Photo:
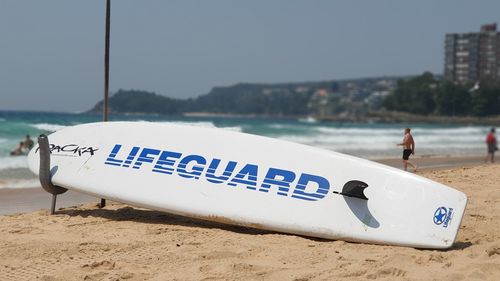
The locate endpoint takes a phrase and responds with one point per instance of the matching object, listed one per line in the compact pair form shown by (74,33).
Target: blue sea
(366,140)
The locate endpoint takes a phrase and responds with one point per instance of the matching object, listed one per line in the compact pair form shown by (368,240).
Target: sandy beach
(121,242)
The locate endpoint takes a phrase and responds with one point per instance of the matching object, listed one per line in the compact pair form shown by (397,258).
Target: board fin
(354,189)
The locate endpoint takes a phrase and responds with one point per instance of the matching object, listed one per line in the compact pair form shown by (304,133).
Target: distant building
(473,56)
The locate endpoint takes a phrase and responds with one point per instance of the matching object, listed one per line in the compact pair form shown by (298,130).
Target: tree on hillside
(486,100)
(452,99)
(414,95)
(425,95)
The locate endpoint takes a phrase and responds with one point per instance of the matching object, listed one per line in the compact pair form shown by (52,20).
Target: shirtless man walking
(408,148)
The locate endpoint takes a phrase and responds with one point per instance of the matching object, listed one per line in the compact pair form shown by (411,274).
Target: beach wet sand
(120,242)
(20,200)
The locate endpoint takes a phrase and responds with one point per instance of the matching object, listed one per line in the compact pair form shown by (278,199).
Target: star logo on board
(440,215)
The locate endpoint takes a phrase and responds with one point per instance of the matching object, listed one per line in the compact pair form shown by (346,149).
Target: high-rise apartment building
(474,56)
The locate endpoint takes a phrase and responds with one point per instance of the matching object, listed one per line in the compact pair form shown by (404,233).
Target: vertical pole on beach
(106,72)
(53,205)
(44,172)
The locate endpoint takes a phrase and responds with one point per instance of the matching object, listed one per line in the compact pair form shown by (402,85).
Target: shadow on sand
(459,245)
(157,217)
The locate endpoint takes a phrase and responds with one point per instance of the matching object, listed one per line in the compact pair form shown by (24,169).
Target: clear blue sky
(51,52)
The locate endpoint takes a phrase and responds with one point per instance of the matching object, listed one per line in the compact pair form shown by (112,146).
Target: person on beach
(491,143)
(408,148)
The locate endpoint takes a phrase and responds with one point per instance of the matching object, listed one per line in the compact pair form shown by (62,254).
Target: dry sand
(124,243)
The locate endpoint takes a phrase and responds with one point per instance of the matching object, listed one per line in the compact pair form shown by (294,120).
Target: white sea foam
(196,124)
(204,124)
(48,127)
(342,142)
(358,131)
(234,129)
(368,142)
(277,126)
(19,183)
(454,130)
(284,126)
(470,131)
(309,119)
(12,162)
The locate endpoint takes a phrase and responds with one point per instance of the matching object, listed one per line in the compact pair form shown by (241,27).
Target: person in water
(28,142)
(491,143)
(24,147)
(18,150)
(408,148)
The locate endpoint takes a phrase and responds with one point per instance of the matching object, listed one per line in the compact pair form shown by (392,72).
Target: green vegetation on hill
(251,99)
(426,95)
(254,99)
(355,99)
(135,101)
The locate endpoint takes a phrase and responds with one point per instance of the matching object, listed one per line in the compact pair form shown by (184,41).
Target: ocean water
(366,140)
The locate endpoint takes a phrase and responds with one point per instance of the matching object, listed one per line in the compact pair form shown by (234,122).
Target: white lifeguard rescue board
(255,181)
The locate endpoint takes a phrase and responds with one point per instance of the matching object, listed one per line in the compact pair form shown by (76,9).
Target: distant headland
(422,98)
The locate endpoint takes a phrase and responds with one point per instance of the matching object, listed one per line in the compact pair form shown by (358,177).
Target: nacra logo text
(285,182)
(71,149)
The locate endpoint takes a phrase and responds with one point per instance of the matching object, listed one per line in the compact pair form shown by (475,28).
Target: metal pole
(106,72)
(106,61)
(44,174)
(53,204)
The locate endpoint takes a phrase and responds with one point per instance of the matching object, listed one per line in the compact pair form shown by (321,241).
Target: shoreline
(435,162)
(24,200)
